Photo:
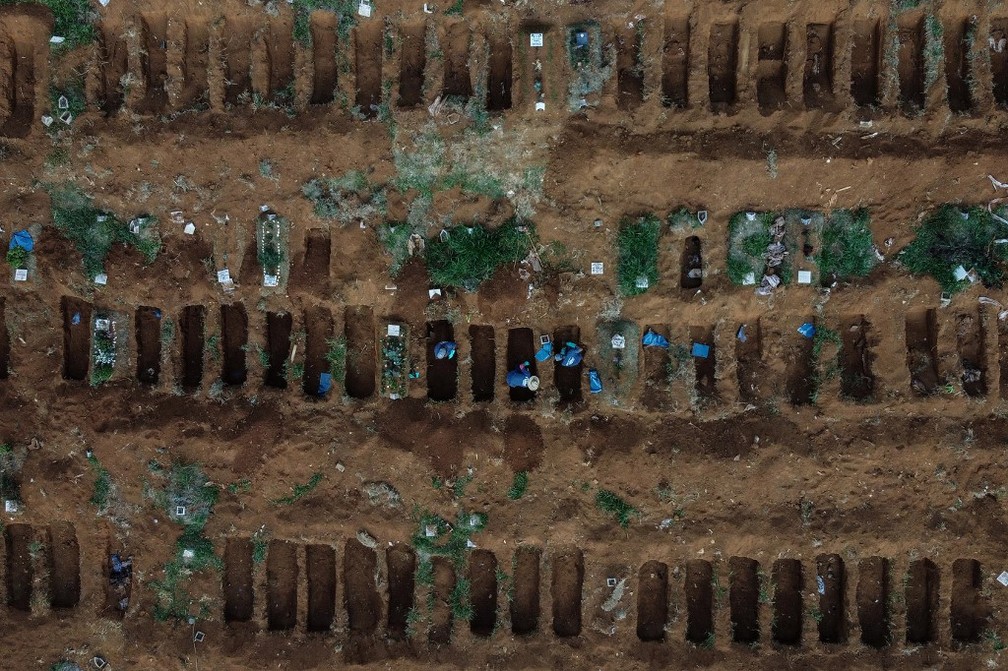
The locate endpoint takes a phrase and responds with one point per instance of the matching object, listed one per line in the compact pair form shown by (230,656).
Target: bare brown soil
(752,473)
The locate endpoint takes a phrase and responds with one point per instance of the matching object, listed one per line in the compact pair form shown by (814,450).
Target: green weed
(336,357)
(518,485)
(847,247)
(611,503)
(952,236)
(101,493)
(346,17)
(471,255)
(638,254)
(188,487)
(300,490)
(171,595)
(17,257)
(394,237)
(92,231)
(747,244)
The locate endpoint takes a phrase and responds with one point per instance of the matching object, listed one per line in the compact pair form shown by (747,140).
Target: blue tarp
(545,352)
(22,239)
(75,319)
(700,350)
(324,384)
(594,381)
(652,339)
(807,329)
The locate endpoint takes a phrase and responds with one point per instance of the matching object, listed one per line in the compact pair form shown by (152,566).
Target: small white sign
(433,293)
(364,9)
(102,324)
(642,282)
(618,341)
(47,120)
(271,280)
(10,506)
(540,106)
(66,117)
(264,208)
(536,39)
(394,329)
(21,275)
(1003,578)
(597,268)
(189,229)
(224,276)
(101,279)
(56,39)
(804,277)
(188,554)
(749,279)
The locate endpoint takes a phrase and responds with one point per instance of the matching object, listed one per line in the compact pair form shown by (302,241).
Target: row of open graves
(257,59)
(371,592)
(627,361)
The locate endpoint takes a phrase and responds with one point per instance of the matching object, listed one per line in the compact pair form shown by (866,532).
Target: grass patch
(952,236)
(847,247)
(394,237)
(638,254)
(74,19)
(346,17)
(172,599)
(747,244)
(824,367)
(471,255)
(101,493)
(611,503)
(17,257)
(336,357)
(93,232)
(188,487)
(299,490)
(518,485)
(346,199)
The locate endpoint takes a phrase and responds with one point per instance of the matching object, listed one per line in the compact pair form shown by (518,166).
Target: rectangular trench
(193,329)
(484,362)
(401,562)
(501,75)
(817,82)
(361,353)
(999,60)
(866,62)
(154,62)
(319,331)
(676,62)
(19,566)
(525,597)
(5,360)
(873,602)
(910,62)
(722,61)
(957,65)
(64,566)
(519,350)
(320,562)
(567,379)
(787,601)
(457,82)
(148,340)
(234,339)
(76,338)
(922,350)
(195,63)
(412,62)
(325,76)
(743,600)
(368,67)
(360,595)
(771,67)
(566,592)
(699,595)
(629,68)
(238,592)
(483,592)
(652,601)
(442,374)
(236,44)
(857,381)
(278,344)
(281,585)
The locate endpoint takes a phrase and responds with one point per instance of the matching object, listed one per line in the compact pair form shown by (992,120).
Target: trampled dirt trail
(780,519)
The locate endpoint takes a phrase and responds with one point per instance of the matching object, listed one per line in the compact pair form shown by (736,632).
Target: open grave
(361,353)
(319,331)
(368,67)
(76,338)
(148,340)
(699,595)
(281,585)
(629,67)
(787,601)
(652,601)
(565,591)
(412,62)
(743,599)
(817,81)
(401,561)
(484,362)
(442,374)
(771,67)
(278,346)
(922,350)
(325,75)
(192,326)
(501,74)
(234,339)
(154,62)
(195,63)
(910,64)
(238,591)
(525,597)
(320,562)
(676,62)
(873,602)
(722,62)
(113,66)
(866,62)
(457,82)
(831,580)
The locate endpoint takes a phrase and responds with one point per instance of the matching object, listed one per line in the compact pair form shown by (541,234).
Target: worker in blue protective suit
(522,377)
(570,356)
(445,350)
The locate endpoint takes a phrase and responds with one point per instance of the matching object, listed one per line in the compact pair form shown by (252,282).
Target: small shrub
(952,236)
(17,257)
(189,486)
(518,485)
(609,502)
(336,358)
(394,237)
(300,490)
(101,494)
(638,253)
(471,255)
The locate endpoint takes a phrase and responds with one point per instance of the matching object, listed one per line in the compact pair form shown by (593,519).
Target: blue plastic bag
(700,350)
(652,339)
(324,384)
(545,352)
(807,330)
(570,356)
(594,381)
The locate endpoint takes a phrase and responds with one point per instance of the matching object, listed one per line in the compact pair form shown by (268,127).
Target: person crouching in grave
(445,350)
(570,356)
(522,377)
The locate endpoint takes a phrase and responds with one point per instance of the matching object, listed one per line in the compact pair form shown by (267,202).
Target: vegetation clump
(847,247)
(518,485)
(345,11)
(467,256)
(748,239)
(638,254)
(93,231)
(346,199)
(954,236)
(611,503)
